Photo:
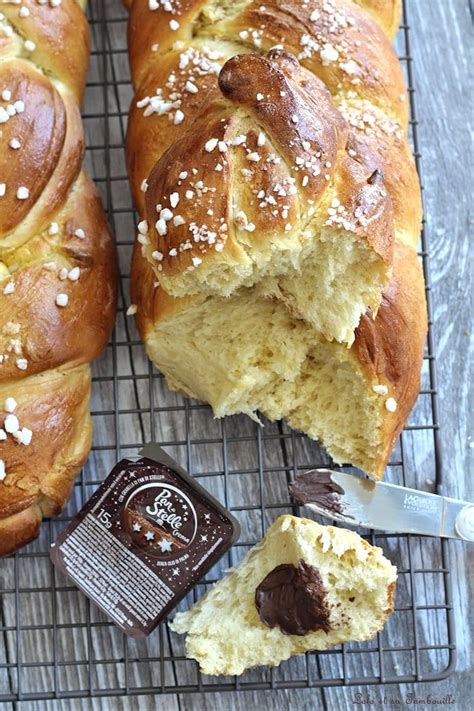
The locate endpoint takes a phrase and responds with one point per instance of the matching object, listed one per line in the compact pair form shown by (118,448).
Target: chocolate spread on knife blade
(317,488)
(293,599)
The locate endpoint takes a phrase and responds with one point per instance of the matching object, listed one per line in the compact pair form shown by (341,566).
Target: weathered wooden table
(131,404)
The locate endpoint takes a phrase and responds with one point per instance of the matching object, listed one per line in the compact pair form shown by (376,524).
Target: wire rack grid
(53,643)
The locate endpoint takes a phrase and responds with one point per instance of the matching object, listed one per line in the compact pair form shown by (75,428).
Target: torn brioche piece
(303,587)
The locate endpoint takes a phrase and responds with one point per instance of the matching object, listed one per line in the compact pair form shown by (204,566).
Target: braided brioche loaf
(57,264)
(280,214)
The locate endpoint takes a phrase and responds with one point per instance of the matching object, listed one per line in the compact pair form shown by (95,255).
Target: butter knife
(356,501)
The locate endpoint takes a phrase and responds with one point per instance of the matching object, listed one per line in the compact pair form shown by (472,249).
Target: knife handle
(465,523)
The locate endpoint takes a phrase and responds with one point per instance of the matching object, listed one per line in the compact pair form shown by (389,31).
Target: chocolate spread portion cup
(145,538)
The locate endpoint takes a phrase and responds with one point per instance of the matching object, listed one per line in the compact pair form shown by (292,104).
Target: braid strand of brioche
(57,264)
(257,132)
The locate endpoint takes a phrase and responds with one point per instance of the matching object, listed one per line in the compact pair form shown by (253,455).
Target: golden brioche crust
(61,38)
(43,129)
(305,129)
(390,347)
(57,267)
(50,336)
(386,13)
(55,406)
(366,81)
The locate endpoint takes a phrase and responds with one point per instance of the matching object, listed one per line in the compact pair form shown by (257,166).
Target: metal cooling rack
(53,644)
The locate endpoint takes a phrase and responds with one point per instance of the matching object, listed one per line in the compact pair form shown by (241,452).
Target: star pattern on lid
(165,545)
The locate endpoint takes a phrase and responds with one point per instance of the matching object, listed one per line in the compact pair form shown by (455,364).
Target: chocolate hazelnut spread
(293,599)
(317,487)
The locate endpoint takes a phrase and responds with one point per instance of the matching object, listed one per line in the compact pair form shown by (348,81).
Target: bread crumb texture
(248,355)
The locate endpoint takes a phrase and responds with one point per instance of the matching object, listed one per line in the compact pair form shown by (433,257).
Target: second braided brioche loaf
(57,265)
(281,212)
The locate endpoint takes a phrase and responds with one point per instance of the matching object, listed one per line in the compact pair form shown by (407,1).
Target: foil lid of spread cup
(145,538)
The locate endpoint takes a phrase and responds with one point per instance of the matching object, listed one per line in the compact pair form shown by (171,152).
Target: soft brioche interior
(225,633)
(334,286)
(328,279)
(247,353)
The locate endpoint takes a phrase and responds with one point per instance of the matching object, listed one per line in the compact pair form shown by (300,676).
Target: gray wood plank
(120,703)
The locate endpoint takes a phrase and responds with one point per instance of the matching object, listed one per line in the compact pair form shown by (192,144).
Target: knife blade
(357,501)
